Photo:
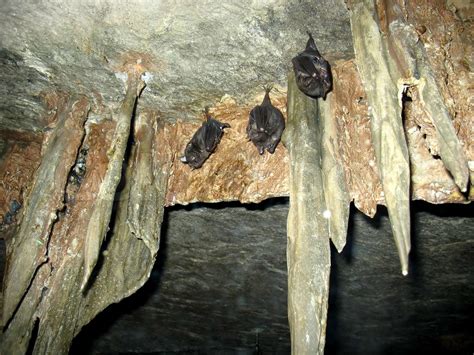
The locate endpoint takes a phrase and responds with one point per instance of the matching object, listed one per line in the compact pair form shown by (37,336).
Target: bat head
(203,142)
(265,125)
(194,156)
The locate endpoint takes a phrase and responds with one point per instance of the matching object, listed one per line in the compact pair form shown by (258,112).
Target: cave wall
(401,131)
(221,276)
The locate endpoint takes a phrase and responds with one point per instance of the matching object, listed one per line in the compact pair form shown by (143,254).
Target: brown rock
(235,171)
(355,139)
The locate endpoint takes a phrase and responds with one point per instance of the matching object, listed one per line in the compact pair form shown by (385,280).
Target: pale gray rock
(199,50)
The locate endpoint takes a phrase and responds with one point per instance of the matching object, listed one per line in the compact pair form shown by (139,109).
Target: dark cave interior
(230,277)
(219,287)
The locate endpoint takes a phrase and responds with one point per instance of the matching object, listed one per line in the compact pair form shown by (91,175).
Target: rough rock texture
(261,177)
(380,80)
(18,161)
(354,139)
(101,213)
(235,171)
(449,52)
(45,307)
(194,55)
(220,276)
(308,254)
(195,52)
(429,177)
(414,67)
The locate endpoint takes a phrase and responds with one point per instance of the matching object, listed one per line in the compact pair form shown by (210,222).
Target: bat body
(203,142)
(312,71)
(266,124)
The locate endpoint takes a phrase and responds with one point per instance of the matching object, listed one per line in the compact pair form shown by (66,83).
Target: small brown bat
(312,71)
(266,124)
(203,142)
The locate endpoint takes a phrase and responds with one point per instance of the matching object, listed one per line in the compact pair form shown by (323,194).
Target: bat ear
(206,112)
(183,159)
(310,43)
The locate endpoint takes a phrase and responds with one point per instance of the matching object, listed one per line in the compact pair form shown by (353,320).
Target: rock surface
(221,276)
(196,55)
(194,52)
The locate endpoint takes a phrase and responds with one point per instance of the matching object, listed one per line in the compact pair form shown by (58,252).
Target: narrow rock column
(52,307)
(378,73)
(102,209)
(131,252)
(28,250)
(308,254)
(336,192)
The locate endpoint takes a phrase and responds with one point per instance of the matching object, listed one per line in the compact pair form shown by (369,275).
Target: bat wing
(211,138)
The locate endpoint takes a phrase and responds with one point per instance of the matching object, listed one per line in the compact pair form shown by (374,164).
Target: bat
(266,124)
(312,71)
(203,142)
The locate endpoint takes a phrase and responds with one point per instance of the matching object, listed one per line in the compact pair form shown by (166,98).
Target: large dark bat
(266,124)
(312,71)
(203,142)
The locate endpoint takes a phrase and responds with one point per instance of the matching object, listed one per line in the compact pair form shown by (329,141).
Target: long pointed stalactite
(102,209)
(28,250)
(53,301)
(414,70)
(336,192)
(378,73)
(308,254)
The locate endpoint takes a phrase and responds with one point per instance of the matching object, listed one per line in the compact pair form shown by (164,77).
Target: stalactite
(378,73)
(415,70)
(308,254)
(131,252)
(54,299)
(102,210)
(334,181)
(28,251)
(29,247)
(148,184)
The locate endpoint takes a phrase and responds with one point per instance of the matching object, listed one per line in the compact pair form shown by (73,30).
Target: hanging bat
(203,142)
(266,124)
(312,71)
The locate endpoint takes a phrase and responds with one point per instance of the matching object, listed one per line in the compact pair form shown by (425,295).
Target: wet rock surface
(221,277)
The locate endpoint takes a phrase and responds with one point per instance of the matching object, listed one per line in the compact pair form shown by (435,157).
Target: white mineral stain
(327,214)
(122,76)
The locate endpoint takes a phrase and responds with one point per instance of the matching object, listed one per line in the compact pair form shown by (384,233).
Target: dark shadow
(371,306)
(346,253)
(276,201)
(374,309)
(414,257)
(34,336)
(100,325)
(104,321)
(444,210)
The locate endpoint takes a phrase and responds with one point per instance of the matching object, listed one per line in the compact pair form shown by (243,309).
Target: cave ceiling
(220,54)
(194,53)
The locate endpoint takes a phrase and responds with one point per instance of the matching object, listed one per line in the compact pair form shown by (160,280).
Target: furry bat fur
(312,71)
(266,124)
(203,142)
